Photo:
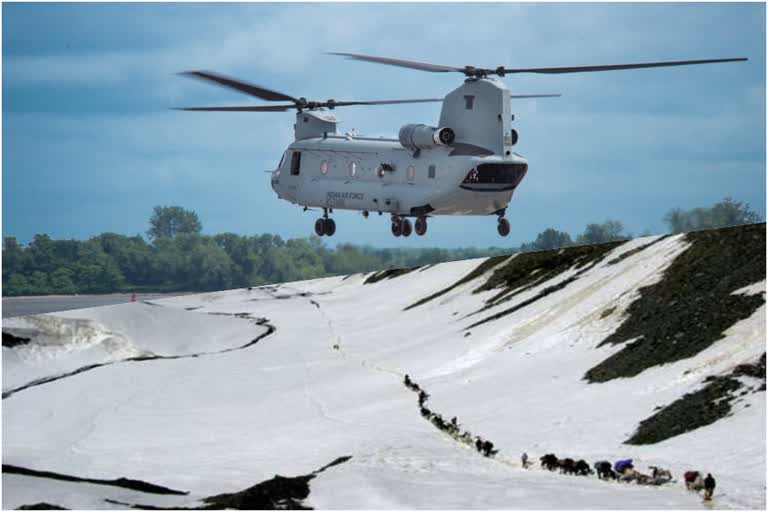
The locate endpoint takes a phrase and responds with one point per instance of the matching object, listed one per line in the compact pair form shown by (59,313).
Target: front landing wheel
(503,226)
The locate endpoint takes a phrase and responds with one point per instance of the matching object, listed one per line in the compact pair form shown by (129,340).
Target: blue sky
(90,145)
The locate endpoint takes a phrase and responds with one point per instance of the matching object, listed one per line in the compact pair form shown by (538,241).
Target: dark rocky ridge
(41,506)
(693,303)
(481,269)
(126,483)
(277,493)
(388,274)
(10,341)
(701,407)
(529,269)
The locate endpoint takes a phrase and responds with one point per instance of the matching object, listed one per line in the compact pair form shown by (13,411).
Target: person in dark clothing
(488,449)
(709,486)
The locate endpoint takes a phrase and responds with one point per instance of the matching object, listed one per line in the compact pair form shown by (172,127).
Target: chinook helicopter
(464,166)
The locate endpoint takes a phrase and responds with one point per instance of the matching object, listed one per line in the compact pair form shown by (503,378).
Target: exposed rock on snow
(10,341)
(41,506)
(126,483)
(692,305)
(701,407)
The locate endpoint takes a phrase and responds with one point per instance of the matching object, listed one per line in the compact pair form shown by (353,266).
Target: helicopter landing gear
(421,226)
(320,227)
(325,225)
(397,226)
(401,226)
(407,228)
(503,226)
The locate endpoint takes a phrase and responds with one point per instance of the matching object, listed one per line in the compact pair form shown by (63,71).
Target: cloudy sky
(90,145)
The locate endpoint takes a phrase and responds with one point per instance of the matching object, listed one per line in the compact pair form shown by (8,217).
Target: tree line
(178,257)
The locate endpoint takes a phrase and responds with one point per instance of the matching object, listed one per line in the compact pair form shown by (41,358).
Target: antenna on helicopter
(272,95)
(475,72)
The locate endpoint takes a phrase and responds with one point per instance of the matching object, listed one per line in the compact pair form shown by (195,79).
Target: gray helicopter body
(403,177)
(463,166)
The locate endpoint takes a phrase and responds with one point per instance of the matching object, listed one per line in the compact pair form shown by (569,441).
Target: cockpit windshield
(498,173)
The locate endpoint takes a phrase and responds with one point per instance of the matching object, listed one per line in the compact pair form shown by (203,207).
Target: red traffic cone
(133,297)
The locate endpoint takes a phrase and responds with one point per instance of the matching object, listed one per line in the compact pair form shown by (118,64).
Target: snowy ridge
(328,382)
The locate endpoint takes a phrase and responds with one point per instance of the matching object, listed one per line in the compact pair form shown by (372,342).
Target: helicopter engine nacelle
(421,136)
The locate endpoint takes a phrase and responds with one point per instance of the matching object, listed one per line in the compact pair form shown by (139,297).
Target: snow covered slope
(566,351)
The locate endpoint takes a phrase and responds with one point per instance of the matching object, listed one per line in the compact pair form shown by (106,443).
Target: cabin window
(384,168)
(411,173)
(353,169)
(432,171)
(296,163)
(469,102)
(324,167)
(282,159)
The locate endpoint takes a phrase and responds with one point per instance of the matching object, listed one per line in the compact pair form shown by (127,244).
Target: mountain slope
(504,345)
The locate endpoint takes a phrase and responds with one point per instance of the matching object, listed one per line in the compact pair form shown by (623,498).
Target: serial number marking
(345,195)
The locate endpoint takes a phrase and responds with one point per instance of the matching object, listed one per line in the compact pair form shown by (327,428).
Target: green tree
(722,214)
(550,238)
(17,285)
(168,221)
(608,231)
(61,281)
(38,283)
(132,255)
(14,257)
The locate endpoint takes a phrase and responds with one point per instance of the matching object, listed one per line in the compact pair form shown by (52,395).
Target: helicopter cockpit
(495,176)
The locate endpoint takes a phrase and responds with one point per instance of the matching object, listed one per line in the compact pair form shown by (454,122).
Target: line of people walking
(451,427)
(622,470)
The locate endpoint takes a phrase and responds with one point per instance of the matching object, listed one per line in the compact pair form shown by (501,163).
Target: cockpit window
(497,173)
(296,163)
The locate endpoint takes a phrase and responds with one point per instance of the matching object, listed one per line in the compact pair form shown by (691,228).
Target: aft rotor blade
(520,96)
(423,66)
(238,85)
(613,67)
(385,102)
(255,108)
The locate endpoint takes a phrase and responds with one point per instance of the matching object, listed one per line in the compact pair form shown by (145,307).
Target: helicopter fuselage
(471,171)
(380,175)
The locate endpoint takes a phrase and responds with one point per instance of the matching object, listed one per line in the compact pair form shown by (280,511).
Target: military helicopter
(464,166)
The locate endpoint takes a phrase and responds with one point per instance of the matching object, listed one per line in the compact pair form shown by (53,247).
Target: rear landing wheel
(397,227)
(407,228)
(421,226)
(320,227)
(330,227)
(503,226)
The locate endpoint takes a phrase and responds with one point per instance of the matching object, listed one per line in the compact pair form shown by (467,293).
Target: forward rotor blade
(423,66)
(519,96)
(255,108)
(385,102)
(613,67)
(253,90)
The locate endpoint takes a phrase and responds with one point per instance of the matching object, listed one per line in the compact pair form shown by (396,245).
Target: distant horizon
(90,144)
